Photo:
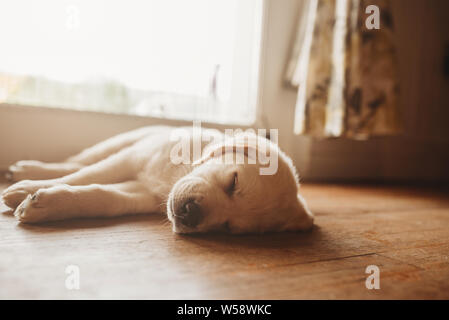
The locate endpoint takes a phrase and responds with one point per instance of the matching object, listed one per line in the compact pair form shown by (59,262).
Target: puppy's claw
(20,211)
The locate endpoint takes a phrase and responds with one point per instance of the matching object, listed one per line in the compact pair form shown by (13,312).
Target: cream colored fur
(132,173)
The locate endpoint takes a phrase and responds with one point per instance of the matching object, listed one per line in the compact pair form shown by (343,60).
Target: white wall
(50,134)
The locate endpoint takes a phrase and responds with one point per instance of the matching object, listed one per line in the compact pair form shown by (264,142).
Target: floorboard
(402,230)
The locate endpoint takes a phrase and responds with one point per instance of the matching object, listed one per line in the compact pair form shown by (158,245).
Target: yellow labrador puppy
(221,187)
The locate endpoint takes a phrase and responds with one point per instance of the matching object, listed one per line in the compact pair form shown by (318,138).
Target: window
(176,59)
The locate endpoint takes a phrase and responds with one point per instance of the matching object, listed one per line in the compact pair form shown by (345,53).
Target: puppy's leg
(37,170)
(110,146)
(66,202)
(119,167)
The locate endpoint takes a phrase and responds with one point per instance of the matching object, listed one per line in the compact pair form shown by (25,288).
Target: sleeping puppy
(221,188)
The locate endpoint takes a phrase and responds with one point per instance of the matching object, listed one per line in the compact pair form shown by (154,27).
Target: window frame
(53,134)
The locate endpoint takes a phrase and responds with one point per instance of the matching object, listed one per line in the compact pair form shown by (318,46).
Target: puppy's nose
(189,214)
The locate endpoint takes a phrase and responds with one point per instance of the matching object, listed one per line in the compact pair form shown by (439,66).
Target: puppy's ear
(235,146)
(301,218)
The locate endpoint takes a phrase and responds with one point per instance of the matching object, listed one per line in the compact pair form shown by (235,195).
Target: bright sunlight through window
(195,59)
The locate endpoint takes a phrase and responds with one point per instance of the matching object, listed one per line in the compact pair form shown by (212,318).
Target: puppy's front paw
(32,209)
(46,204)
(16,193)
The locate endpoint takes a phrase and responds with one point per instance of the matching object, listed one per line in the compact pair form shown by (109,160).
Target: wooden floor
(404,231)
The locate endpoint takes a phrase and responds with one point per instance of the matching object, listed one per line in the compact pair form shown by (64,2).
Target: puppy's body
(134,173)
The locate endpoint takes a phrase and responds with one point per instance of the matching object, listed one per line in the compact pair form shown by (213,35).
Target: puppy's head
(234,196)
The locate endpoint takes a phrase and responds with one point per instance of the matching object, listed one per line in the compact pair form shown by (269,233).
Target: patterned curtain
(345,73)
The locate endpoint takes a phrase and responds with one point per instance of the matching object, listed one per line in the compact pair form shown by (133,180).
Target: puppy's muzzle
(187,214)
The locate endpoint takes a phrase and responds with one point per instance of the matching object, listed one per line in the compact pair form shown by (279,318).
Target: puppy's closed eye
(232,184)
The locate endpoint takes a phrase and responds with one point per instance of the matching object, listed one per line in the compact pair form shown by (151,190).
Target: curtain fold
(344,72)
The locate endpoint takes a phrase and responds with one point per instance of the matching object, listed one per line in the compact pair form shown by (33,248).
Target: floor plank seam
(322,260)
(408,248)
(401,261)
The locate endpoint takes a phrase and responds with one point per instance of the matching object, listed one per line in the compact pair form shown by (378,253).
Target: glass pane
(195,59)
